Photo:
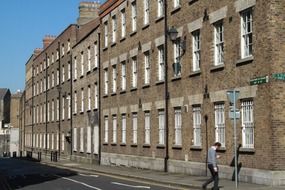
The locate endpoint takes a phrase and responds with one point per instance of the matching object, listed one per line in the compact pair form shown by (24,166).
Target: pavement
(181,181)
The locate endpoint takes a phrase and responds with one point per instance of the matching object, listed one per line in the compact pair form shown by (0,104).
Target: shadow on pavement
(18,173)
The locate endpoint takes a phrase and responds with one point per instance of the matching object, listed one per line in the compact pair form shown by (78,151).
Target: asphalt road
(28,175)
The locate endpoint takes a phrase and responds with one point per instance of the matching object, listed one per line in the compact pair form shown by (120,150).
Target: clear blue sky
(23,25)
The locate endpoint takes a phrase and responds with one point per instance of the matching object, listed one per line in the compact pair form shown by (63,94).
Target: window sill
(133,33)
(74,80)
(81,76)
(113,144)
(177,147)
(160,146)
(244,61)
(196,148)
(114,94)
(82,112)
(105,48)
(176,9)
(222,149)
(105,144)
(134,145)
(122,39)
(191,1)
(146,86)
(217,68)
(95,68)
(247,150)
(95,109)
(88,72)
(195,73)
(123,144)
(123,91)
(159,18)
(105,96)
(88,110)
(175,78)
(74,113)
(145,26)
(133,89)
(146,145)
(159,82)
(113,44)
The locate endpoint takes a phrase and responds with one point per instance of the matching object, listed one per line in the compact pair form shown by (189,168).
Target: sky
(24,23)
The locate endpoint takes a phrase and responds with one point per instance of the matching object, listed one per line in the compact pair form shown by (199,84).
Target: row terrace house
(164,99)
(149,83)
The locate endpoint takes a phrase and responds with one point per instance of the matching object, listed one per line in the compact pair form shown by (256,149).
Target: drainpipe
(46,114)
(166,93)
(71,103)
(99,96)
(59,101)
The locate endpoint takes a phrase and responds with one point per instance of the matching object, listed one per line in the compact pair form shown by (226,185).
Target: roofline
(69,26)
(88,34)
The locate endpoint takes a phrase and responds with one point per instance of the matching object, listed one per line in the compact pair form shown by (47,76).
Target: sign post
(233,96)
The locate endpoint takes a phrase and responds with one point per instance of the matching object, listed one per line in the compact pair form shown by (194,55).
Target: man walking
(213,167)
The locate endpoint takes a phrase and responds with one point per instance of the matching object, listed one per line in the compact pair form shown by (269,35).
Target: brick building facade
(162,100)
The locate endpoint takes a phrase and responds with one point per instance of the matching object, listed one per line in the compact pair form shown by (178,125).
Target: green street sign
(259,80)
(279,76)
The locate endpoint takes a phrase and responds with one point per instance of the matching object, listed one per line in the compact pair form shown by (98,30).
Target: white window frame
(114,129)
(69,71)
(177,57)
(247,121)
(134,16)
(75,68)
(57,109)
(124,129)
(196,52)
(89,97)
(114,78)
(52,110)
(246,33)
(63,108)
(81,139)
(75,102)
(74,139)
(135,128)
(96,95)
(105,34)
(82,63)
(197,141)
(106,81)
(178,126)
(69,106)
(123,23)
(176,3)
(219,43)
(147,128)
(220,127)
(160,8)
(106,129)
(88,59)
(57,77)
(161,127)
(89,140)
(123,75)
(82,100)
(134,72)
(114,28)
(62,142)
(146,11)
(161,66)
(147,68)
(96,56)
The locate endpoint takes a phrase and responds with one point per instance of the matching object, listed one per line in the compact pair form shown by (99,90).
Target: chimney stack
(87,12)
(48,39)
(37,51)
